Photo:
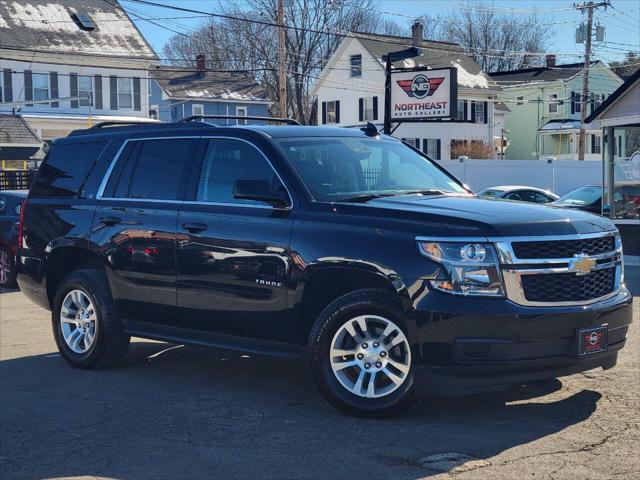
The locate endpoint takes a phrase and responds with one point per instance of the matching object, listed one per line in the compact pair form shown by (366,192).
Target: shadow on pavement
(181,412)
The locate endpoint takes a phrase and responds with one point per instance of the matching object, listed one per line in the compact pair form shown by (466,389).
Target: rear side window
(152,169)
(66,169)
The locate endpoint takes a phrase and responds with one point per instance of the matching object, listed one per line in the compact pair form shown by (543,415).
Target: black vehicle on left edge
(343,246)
(10,202)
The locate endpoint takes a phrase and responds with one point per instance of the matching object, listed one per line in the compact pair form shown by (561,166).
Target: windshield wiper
(365,197)
(429,191)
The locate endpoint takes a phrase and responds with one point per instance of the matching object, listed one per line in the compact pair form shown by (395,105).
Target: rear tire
(7,269)
(86,327)
(360,356)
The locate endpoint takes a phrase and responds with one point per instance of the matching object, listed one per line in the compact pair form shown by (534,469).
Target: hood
(470,215)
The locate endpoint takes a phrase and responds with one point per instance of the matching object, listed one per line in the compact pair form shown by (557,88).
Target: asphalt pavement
(176,412)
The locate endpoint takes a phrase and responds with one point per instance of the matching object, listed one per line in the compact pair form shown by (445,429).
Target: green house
(546,104)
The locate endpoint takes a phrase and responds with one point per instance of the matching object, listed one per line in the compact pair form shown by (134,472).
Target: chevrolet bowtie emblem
(582,264)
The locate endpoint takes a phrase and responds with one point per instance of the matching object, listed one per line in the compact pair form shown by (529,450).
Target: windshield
(581,196)
(339,168)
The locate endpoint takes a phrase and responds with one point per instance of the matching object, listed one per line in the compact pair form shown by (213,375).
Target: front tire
(7,269)
(86,327)
(359,355)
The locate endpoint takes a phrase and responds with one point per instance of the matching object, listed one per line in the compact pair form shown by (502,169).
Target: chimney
(200,63)
(551,60)
(416,31)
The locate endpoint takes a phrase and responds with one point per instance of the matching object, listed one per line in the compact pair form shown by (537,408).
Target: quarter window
(125,92)
(85,91)
(40,86)
(227,161)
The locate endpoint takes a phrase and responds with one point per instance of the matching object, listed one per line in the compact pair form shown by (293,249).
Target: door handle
(194,227)
(110,221)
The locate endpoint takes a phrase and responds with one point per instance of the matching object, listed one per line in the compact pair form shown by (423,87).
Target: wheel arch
(326,282)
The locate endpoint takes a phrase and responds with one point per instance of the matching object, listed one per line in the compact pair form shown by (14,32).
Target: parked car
(519,194)
(10,201)
(343,246)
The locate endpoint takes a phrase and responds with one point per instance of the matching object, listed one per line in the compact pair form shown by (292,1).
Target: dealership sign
(422,94)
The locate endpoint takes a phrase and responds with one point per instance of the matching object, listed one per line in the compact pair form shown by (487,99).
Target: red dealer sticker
(592,340)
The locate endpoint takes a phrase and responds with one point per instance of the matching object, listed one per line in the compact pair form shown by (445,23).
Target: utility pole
(589,7)
(282,60)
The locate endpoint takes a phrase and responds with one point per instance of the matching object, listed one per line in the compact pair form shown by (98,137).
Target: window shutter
(438,147)
(73,80)
(337,111)
(466,110)
(324,113)
(97,92)
(417,145)
(573,103)
(361,109)
(53,86)
(473,111)
(136,94)
(375,108)
(425,145)
(113,91)
(28,87)
(592,103)
(8,90)
(486,112)
(593,143)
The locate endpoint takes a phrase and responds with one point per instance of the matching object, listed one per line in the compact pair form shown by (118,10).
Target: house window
(577,102)
(595,144)
(414,142)
(40,86)
(153,112)
(520,100)
(241,112)
(479,112)
(356,65)
(461,110)
(85,91)
(431,146)
(331,112)
(198,109)
(552,103)
(368,110)
(125,93)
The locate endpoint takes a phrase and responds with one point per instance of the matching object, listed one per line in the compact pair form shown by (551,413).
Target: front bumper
(467,345)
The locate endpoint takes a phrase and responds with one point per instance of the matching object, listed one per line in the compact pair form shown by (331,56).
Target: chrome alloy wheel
(5,266)
(370,356)
(78,321)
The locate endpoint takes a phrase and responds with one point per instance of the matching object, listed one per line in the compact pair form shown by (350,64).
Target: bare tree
(496,41)
(315,29)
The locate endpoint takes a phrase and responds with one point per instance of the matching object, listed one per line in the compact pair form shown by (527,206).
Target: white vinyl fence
(559,176)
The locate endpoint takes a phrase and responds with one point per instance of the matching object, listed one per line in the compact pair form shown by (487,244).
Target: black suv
(342,245)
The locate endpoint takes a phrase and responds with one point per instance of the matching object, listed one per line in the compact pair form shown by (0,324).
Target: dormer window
(83,21)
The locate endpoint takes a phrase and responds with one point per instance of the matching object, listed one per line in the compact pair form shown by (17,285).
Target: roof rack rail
(288,121)
(115,122)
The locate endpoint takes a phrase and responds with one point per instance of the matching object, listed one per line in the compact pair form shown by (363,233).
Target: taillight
(23,208)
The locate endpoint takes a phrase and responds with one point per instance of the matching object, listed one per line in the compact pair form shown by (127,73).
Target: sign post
(389,59)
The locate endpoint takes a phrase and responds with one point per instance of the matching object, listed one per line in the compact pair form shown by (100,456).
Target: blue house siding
(172,110)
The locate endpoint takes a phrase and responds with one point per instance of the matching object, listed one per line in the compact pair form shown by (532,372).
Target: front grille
(564,248)
(568,287)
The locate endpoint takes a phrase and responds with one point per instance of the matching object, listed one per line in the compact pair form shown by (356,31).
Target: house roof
(539,74)
(614,96)
(184,83)
(14,129)
(434,54)
(55,25)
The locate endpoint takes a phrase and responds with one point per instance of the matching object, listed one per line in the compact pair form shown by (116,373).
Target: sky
(621,21)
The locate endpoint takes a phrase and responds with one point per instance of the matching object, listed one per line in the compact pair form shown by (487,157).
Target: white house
(350,91)
(87,57)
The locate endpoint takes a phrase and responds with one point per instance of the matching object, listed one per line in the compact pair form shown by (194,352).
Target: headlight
(468,268)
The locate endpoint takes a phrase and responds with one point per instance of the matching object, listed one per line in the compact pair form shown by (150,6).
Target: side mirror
(259,190)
